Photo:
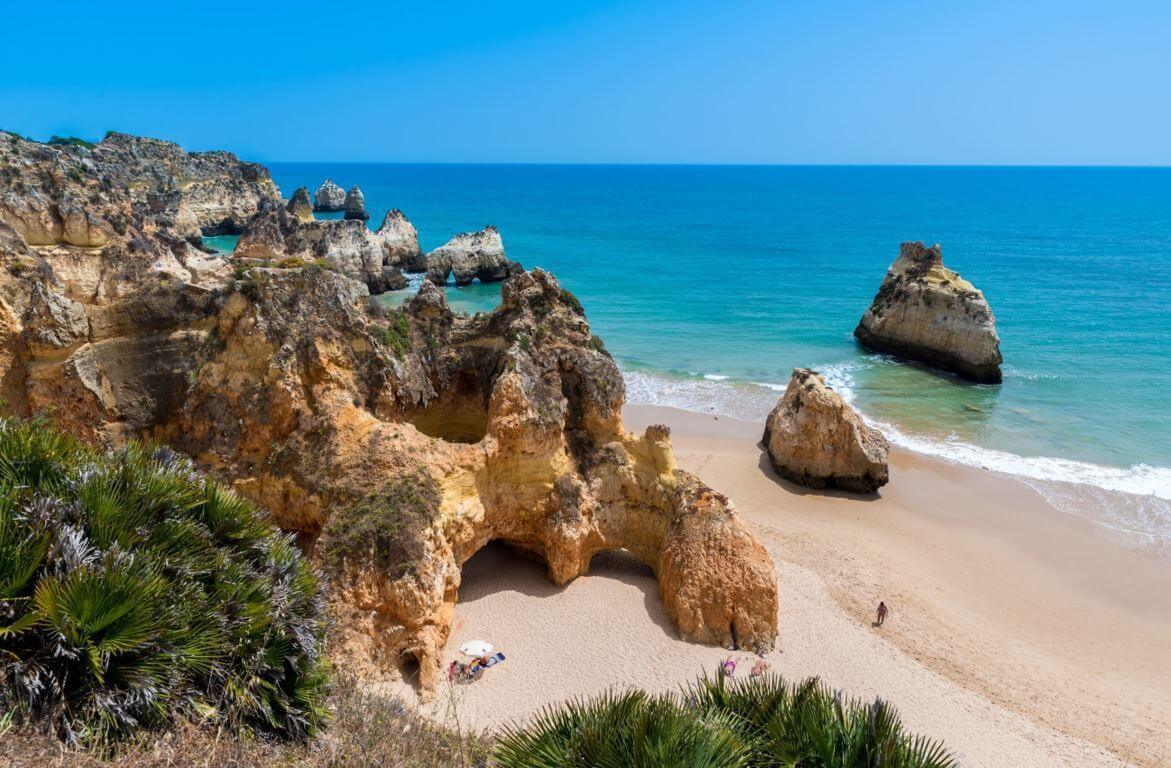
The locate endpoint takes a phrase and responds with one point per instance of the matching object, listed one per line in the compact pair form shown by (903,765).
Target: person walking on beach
(881,613)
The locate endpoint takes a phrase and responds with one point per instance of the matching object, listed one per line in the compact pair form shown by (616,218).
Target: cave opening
(458,415)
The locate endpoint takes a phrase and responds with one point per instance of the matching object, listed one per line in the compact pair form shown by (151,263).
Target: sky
(738,81)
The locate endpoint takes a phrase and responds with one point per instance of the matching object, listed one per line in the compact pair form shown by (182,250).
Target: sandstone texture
(393,443)
(926,312)
(401,242)
(355,205)
(471,256)
(329,197)
(300,205)
(814,438)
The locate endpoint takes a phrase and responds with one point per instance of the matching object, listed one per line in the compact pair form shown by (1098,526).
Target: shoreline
(1001,593)
(1017,635)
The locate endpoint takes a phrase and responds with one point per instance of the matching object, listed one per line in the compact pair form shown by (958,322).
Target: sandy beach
(1017,634)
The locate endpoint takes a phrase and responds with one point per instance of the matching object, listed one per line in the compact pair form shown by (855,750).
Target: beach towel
(494,659)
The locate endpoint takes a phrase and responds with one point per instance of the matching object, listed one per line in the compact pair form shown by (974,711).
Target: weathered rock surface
(814,438)
(348,246)
(355,204)
(329,197)
(401,242)
(924,311)
(394,443)
(470,256)
(300,206)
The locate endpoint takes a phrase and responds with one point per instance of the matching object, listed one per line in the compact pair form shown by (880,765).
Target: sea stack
(329,197)
(814,438)
(924,311)
(471,255)
(355,204)
(401,242)
(300,206)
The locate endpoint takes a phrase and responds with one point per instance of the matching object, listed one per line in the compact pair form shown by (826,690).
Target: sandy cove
(1017,634)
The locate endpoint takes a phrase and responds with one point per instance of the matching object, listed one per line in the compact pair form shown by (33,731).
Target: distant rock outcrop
(469,256)
(815,439)
(300,206)
(355,205)
(329,197)
(401,242)
(924,311)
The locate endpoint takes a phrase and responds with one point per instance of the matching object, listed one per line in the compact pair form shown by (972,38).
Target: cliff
(926,312)
(394,443)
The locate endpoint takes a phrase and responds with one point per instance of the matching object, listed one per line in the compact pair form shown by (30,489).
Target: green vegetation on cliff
(134,592)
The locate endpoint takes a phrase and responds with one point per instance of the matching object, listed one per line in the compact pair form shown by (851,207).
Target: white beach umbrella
(476,648)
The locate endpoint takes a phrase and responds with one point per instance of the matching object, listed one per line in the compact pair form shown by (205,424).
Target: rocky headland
(394,443)
(926,312)
(471,256)
(329,197)
(814,438)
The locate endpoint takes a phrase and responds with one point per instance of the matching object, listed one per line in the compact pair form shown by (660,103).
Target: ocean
(709,284)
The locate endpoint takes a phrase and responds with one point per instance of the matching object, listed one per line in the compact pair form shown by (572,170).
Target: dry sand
(1018,635)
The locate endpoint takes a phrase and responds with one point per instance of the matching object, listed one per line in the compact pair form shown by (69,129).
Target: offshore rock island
(395,443)
(926,312)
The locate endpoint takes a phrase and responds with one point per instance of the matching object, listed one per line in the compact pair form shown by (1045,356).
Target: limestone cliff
(401,242)
(924,311)
(394,443)
(300,206)
(470,256)
(814,438)
(355,204)
(329,197)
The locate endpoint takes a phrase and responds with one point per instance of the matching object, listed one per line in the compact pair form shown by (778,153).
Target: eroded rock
(329,197)
(355,204)
(471,256)
(924,311)
(814,438)
(300,205)
(401,242)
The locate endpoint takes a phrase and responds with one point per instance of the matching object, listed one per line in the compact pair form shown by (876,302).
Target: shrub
(396,334)
(133,591)
(386,530)
(572,301)
(752,723)
(69,141)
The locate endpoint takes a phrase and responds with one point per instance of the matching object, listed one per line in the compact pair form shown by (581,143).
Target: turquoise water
(709,284)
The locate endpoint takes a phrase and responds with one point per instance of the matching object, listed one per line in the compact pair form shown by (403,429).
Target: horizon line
(674,164)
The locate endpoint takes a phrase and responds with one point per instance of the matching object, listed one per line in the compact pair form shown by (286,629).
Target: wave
(1133,503)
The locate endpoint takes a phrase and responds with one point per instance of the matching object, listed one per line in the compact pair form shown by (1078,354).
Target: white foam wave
(1132,501)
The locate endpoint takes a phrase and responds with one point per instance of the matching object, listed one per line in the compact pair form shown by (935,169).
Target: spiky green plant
(762,722)
(134,591)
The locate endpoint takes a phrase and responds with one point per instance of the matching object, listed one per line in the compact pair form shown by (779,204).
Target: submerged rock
(300,206)
(470,256)
(329,197)
(355,204)
(924,311)
(401,242)
(815,439)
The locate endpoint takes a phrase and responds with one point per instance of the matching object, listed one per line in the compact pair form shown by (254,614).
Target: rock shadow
(766,467)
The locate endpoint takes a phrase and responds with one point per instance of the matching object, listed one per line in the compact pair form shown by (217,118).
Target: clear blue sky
(739,81)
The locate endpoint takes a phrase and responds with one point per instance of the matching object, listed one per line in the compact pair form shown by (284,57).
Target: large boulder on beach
(400,240)
(926,312)
(355,205)
(470,256)
(814,438)
(300,206)
(329,197)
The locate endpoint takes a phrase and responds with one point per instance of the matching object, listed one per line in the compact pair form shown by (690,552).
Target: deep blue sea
(710,284)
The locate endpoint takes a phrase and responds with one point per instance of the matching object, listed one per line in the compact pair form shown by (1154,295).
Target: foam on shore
(1133,504)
